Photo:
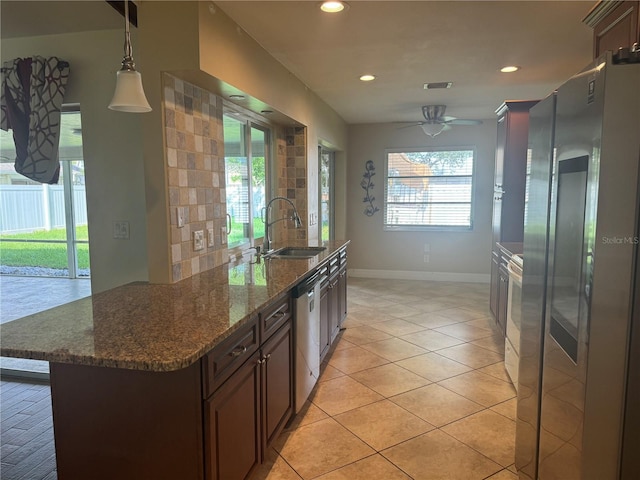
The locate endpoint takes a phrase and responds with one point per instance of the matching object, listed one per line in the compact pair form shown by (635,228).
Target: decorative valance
(31,95)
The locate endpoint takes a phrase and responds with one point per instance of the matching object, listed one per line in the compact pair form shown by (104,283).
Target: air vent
(432,85)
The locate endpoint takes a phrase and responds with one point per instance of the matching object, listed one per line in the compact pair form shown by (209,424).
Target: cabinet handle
(279,314)
(238,351)
(267,357)
(260,361)
(342,274)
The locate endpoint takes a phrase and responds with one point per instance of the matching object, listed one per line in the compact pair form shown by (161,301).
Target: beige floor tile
(402,298)
(497,370)
(484,322)
(375,467)
(342,394)
(400,309)
(309,413)
(437,456)
(429,320)
(327,372)
(434,367)
(503,475)
(508,409)
(398,327)
(383,424)
(364,334)
(371,301)
(432,340)
(342,344)
(495,343)
(390,379)
(481,388)
(464,331)
(436,404)
(355,359)
(462,314)
(275,468)
(487,432)
(512,468)
(394,349)
(321,447)
(471,355)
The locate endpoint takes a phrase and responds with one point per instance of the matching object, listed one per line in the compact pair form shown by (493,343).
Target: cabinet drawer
(274,316)
(334,264)
(221,362)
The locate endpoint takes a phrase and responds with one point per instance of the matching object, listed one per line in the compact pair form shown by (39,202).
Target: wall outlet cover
(198,240)
(121,230)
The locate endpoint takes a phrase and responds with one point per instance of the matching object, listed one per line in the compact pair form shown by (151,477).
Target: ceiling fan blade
(413,124)
(462,121)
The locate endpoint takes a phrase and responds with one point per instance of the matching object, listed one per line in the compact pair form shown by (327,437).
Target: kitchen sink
(295,252)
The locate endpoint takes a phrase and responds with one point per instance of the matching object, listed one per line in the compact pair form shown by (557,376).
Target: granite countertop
(144,326)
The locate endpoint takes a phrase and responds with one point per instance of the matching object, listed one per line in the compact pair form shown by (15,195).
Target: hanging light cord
(127,61)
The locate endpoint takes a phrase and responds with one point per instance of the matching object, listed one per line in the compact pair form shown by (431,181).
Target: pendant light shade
(129,95)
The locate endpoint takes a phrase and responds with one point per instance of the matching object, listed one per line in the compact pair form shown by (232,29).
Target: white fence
(25,208)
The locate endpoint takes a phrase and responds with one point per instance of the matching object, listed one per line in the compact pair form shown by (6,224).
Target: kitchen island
(169,381)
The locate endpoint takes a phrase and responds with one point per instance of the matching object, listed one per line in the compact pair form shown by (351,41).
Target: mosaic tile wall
(195,169)
(295,176)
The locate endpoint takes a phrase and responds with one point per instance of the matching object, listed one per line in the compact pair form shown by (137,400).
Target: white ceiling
(408,43)
(404,43)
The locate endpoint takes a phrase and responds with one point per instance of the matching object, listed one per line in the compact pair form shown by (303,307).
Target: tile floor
(414,389)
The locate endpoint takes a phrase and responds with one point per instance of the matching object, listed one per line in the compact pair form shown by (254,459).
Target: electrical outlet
(198,240)
(121,230)
(427,248)
(426,258)
(223,235)
(180,216)
(210,240)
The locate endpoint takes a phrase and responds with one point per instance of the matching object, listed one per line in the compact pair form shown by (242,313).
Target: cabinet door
(277,382)
(324,321)
(502,300)
(495,284)
(232,425)
(341,290)
(619,28)
(334,308)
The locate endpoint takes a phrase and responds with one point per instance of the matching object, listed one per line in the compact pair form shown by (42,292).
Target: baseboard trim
(411,275)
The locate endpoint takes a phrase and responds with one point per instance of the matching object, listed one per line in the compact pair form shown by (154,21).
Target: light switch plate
(223,235)
(121,230)
(210,239)
(180,216)
(198,240)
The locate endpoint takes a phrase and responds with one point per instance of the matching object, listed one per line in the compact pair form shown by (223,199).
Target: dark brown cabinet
(244,414)
(509,190)
(615,24)
(333,301)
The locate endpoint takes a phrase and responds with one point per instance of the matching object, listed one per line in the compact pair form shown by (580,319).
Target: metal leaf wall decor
(367,185)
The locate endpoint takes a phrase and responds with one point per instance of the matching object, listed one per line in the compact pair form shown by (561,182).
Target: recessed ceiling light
(432,85)
(367,78)
(509,69)
(333,6)
(237,97)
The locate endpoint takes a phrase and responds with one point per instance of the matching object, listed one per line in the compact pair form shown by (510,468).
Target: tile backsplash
(195,172)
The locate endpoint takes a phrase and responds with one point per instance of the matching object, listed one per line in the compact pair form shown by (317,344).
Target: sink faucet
(267,234)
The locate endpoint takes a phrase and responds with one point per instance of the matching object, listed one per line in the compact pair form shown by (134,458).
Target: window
(43,228)
(429,189)
(327,160)
(246,150)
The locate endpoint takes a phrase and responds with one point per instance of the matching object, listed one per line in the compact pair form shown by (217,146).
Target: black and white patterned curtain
(31,97)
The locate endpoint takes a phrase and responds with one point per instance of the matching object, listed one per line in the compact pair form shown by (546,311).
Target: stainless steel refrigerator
(578,374)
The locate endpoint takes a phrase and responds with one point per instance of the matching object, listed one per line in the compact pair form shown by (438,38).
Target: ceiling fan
(436,122)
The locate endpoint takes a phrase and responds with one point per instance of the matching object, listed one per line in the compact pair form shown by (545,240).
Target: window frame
(430,228)
(251,121)
(331,203)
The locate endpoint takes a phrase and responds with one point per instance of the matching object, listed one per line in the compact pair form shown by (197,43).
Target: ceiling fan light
(509,69)
(432,129)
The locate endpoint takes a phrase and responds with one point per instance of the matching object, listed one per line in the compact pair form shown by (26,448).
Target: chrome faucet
(267,234)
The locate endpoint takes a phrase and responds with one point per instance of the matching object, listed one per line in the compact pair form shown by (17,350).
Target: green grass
(37,254)
(237,232)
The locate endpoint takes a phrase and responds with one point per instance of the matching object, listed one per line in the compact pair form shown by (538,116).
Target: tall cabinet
(615,24)
(508,197)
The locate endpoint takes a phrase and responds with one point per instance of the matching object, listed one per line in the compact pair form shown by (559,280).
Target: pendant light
(129,95)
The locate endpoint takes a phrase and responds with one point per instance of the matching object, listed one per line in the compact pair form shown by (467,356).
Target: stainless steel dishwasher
(307,325)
